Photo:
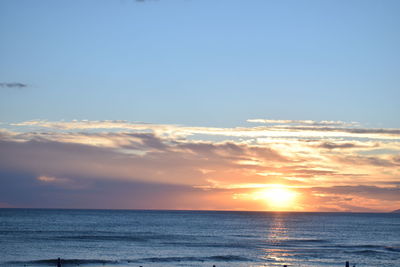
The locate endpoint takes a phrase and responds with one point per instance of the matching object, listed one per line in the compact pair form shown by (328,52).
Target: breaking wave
(66,262)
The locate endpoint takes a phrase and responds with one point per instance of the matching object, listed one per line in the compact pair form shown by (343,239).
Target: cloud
(107,193)
(64,182)
(4,205)
(142,157)
(369,160)
(13,85)
(79,158)
(271,131)
(347,130)
(341,145)
(305,122)
(383,193)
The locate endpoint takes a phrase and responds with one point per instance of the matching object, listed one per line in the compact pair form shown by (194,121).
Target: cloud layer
(332,166)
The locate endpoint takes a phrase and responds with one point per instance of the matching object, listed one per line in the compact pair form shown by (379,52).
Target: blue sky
(212,63)
(200,104)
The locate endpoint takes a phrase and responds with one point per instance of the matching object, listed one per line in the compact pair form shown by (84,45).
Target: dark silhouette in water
(58,262)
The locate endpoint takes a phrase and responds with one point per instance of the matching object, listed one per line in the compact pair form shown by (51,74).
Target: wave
(297,242)
(53,262)
(366,252)
(367,248)
(220,258)
(172,240)
(359,249)
(305,241)
(140,237)
(322,244)
(394,249)
(211,245)
(358,246)
(105,238)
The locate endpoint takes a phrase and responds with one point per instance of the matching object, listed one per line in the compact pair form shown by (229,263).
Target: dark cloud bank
(145,172)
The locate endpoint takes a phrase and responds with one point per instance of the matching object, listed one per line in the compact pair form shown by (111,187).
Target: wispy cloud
(296,131)
(341,145)
(305,122)
(13,85)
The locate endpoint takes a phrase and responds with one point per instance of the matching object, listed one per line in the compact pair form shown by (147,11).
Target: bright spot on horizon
(277,197)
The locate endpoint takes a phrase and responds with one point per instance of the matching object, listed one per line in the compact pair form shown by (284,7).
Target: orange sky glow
(273,166)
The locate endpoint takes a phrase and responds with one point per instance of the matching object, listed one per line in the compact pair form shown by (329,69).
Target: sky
(188,104)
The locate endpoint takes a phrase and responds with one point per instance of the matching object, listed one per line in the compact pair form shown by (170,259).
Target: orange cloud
(208,172)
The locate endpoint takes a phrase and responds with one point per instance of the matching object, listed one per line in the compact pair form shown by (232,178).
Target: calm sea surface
(197,238)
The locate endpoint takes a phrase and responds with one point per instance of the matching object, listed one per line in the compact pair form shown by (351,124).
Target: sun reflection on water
(276,233)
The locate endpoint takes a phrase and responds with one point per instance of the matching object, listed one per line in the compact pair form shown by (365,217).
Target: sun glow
(277,197)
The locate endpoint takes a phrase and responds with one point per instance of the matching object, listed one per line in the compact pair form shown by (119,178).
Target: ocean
(37,237)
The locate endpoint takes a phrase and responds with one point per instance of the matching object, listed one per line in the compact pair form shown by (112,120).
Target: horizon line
(191,210)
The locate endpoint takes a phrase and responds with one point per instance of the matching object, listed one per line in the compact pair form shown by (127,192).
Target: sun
(277,197)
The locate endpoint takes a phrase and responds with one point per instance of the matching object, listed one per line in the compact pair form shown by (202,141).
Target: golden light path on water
(278,198)
(277,232)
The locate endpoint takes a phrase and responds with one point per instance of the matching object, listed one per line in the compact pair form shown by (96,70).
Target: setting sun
(277,197)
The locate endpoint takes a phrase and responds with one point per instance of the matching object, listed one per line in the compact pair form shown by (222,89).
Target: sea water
(35,237)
